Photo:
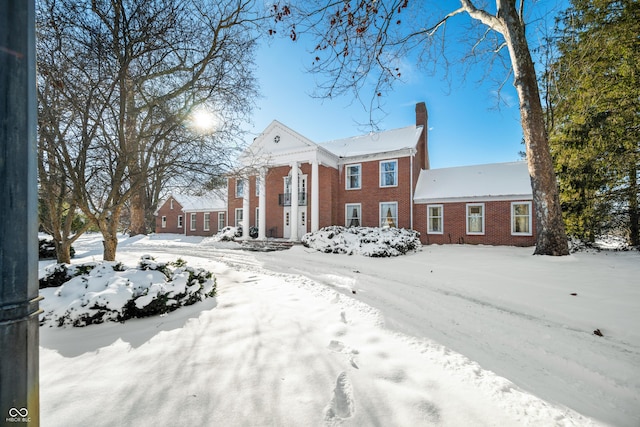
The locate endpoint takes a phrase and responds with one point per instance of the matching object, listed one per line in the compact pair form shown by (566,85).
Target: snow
(496,180)
(375,142)
(368,241)
(448,335)
(213,201)
(99,291)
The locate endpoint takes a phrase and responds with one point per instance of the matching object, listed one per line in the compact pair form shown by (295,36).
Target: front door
(302,221)
(302,208)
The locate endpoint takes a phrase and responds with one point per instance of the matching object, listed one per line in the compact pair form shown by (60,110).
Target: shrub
(106,291)
(47,249)
(368,241)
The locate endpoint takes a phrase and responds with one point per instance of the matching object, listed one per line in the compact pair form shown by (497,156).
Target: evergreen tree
(595,125)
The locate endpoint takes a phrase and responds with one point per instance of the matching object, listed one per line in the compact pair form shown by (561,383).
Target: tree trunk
(63,251)
(551,238)
(634,211)
(138,210)
(109,229)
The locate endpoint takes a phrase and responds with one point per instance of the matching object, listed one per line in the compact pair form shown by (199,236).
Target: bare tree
(360,41)
(132,73)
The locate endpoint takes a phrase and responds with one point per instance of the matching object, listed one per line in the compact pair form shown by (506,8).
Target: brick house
(192,215)
(289,185)
(487,204)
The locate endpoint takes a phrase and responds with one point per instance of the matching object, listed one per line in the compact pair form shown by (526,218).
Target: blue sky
(465,127)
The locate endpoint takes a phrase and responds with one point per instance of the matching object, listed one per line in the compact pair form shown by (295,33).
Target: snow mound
(367,241)
(96,292)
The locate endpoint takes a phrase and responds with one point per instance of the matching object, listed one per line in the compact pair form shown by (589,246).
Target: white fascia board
(405,152)
(474,199)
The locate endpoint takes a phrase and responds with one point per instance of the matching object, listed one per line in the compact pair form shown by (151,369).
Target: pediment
(278,140)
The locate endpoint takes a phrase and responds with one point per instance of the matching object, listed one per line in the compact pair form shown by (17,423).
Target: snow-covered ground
(449,335)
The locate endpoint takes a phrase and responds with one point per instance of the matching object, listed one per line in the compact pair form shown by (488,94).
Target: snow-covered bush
(106,291)
(605,242)
(47,249)
(368,241)
(227,234)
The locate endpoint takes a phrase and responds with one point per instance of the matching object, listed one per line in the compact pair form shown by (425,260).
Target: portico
(284,168)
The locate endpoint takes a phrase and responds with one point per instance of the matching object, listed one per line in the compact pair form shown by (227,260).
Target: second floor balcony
(285,199)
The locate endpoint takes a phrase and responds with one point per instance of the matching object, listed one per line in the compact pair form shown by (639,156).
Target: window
(179,221)
(192,222)
(389,214)
(164,221)
(239,217)
(475,218)
(286,219)
(170,203)
(239,188)
(258,180)
(303,218)
(352,214)
(221,220)
(389,173)
(354,173)
(207,221)
(434,219)
(521,218)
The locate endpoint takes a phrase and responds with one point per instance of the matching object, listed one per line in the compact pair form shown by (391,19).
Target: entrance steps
(268,245)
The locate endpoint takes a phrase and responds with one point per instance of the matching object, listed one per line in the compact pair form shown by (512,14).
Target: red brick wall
(370,195)
(172,217)
(329,183)
(200,231)
(497,222)
(233,202)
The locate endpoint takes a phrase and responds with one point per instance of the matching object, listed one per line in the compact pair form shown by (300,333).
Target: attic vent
(276,139)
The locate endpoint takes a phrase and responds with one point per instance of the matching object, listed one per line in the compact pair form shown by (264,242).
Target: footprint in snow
(339,347)
(342,403)
(343,317)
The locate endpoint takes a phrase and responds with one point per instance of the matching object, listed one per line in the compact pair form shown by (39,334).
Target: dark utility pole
(19,395)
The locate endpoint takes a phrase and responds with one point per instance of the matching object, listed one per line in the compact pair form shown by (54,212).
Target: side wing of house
(170,217)
(481,204)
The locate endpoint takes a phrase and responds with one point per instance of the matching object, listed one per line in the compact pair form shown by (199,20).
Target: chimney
(422,119)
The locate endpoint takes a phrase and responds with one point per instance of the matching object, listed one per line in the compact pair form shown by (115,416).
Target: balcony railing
(285,199)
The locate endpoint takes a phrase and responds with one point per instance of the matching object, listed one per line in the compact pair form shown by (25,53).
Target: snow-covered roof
(208,202)
(375,142)
(496,181)
(213,201)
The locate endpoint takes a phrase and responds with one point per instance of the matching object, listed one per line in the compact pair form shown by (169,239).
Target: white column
(245,210)
(262,206)
(315,197)
(294,201)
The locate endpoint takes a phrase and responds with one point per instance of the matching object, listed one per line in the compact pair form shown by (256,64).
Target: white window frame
(206,221)
(429,217)
(238,217)
(513,219)
(221,220)
(475,233)
(171,203)
(381,173)
(348,207)
(193,221)
(347,175)
(240,184)
(180,221)
(382,216)
(163,221)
